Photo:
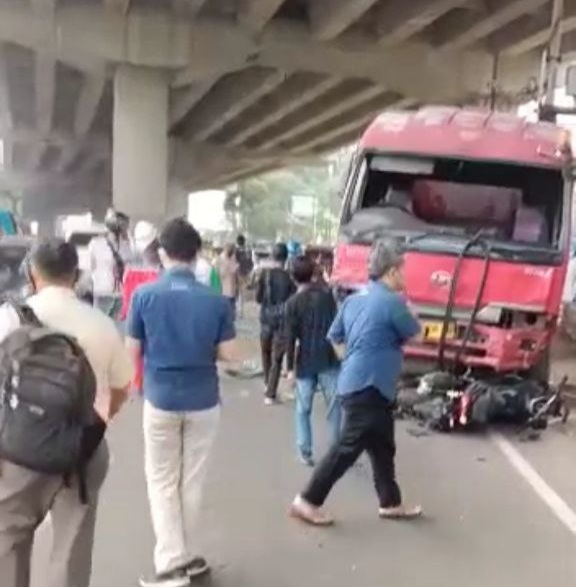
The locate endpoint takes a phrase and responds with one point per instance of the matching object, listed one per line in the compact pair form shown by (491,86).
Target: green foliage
(261,207)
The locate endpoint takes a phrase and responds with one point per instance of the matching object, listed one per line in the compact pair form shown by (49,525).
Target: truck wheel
(540,372)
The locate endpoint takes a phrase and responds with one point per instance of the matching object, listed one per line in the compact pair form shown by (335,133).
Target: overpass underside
(140,101)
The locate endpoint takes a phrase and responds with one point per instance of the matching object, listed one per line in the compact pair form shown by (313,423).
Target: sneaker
(401,512)
(176,578)
(197,567)
(268,401)
(306,460)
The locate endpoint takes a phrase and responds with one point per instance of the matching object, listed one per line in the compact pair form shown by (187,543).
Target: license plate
(433,331)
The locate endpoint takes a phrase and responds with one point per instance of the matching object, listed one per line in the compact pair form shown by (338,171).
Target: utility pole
(551,60)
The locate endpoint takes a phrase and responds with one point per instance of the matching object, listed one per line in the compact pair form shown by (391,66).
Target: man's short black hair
(303,269)
(180,240)
(280,253)
(55,259)
(241,240)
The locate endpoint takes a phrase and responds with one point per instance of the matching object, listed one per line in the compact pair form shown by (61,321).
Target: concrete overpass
(140,101)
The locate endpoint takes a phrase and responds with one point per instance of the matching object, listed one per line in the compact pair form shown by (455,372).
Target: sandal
(305,512)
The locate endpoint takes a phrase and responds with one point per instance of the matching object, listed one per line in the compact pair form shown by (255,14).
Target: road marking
(544,491)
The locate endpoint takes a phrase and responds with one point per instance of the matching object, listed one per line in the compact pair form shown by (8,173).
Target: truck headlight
(490,314)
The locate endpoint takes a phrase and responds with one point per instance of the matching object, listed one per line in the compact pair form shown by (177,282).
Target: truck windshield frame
(522,211)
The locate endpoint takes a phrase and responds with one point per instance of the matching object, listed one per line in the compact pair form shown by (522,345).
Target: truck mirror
(571,80)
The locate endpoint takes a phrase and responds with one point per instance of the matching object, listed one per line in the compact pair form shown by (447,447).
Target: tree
(10,201)
(262,206)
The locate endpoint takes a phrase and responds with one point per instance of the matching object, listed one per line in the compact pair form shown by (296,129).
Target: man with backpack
(274,288)
(109,255)
(65,374)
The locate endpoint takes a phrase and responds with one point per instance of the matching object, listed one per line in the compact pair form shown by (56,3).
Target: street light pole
(551,60)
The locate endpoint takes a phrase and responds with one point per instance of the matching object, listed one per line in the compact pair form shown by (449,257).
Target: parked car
(13,251)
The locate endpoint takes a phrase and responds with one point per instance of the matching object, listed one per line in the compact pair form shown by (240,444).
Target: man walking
(274,288)
(205,271)
(245,268)
(26,496)
(181,328)
(368,333)
(109,255)
(228,272)
(311,360)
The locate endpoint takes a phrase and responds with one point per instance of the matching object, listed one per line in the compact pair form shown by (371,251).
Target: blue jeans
(305,390)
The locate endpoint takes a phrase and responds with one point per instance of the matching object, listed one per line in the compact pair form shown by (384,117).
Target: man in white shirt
(26,496)
(109,255)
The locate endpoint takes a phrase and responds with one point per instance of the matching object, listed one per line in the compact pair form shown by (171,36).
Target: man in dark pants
(274,288)
(368,333)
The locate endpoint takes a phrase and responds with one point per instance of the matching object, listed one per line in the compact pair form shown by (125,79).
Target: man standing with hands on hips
(368,334)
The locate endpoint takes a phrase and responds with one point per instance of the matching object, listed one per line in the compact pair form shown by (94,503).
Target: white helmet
(145,234)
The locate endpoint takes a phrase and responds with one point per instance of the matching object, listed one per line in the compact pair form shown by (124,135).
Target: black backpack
(47,392)
(273,309)
(244,260)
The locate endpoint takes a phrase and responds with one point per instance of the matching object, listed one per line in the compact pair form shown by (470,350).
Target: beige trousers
(177,448)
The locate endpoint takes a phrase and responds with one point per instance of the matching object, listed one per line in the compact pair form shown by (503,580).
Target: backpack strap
(26,314)
(119,265)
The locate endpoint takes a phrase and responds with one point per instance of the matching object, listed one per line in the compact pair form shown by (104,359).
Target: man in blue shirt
(180,328)
(368,333)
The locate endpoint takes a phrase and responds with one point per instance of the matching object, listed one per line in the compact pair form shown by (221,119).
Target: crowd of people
(163,318)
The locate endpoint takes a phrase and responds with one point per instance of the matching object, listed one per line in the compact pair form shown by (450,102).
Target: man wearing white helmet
(148,269)
(109,255)
(146,243)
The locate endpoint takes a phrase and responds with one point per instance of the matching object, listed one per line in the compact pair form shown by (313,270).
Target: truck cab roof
(459,133)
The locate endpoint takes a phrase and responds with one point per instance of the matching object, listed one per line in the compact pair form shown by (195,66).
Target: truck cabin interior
(512,206)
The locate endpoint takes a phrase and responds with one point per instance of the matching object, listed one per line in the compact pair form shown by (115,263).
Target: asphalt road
(485,523)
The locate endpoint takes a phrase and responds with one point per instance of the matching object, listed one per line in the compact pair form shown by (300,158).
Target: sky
(206,210)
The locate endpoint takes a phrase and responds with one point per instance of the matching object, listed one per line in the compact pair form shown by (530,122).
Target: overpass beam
(140,142)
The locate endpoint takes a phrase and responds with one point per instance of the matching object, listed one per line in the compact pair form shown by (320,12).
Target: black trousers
(273,348)
(368,426)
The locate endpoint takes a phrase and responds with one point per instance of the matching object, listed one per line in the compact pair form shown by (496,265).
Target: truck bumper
(499,349)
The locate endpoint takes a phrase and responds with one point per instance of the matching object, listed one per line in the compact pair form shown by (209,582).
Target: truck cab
(481,202)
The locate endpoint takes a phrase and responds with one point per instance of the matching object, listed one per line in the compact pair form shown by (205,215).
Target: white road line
(558,506)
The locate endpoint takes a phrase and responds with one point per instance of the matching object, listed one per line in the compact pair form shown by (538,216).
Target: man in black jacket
(312,362)
(274,288)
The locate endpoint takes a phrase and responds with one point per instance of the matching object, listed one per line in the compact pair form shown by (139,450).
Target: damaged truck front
(482,203)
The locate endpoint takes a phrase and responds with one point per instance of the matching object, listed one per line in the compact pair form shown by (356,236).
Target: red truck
(482,202)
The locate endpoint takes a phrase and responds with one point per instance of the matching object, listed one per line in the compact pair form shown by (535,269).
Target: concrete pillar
(140,143)
(177,204)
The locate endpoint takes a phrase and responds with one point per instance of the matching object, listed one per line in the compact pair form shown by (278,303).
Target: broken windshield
(440,204)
